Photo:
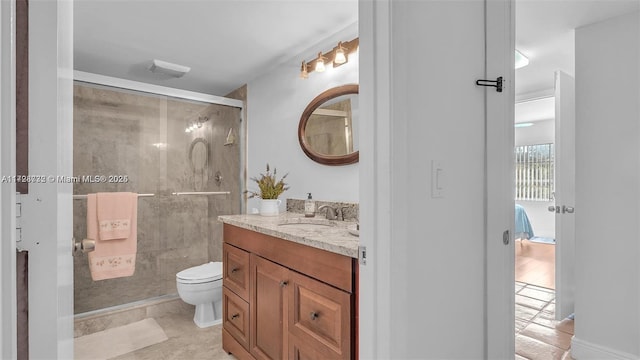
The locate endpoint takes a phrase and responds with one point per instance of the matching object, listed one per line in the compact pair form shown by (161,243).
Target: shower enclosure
(178,154)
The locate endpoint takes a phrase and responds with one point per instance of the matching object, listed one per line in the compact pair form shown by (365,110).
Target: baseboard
(581,349)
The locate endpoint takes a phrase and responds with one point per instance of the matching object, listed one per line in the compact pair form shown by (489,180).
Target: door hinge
(497,83)
(362,255)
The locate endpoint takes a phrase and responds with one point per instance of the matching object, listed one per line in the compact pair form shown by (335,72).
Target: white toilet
(202,286)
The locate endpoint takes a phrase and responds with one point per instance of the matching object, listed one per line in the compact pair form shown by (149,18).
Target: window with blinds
(535,172)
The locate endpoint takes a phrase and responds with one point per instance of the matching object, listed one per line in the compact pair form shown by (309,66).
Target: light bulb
(320,63)
(340,58)
(304,74)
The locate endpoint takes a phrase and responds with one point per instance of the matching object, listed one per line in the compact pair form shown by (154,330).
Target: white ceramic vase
(270,207)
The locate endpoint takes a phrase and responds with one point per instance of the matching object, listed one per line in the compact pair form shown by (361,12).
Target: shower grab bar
(202,193)
(80,197)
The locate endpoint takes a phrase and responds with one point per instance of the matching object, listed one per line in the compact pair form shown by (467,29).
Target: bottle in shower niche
(309,207)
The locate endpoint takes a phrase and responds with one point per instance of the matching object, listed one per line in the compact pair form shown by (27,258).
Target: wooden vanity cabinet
(301,300)
(268,305)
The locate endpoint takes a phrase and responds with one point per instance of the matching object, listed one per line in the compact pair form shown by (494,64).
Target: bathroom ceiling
(227,43)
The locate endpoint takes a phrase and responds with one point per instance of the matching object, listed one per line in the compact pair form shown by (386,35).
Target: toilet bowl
(202,286)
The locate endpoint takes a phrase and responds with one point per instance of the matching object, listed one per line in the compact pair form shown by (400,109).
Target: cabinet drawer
(301,350)
(236,317)
(320,316)
(235,263)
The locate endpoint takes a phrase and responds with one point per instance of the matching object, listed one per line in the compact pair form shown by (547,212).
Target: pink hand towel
(114,214)
(112,258)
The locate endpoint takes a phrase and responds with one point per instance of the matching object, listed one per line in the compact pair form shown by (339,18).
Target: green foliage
(269,187)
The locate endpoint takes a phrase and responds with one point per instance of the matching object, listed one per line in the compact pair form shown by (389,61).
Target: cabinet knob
(234,270)
(314,315)
(235,316)
(284,283)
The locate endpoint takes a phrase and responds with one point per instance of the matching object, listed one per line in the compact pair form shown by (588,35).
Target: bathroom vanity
(289,287)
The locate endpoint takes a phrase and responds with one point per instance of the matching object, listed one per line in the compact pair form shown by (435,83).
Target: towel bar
(202,193)
(80,197)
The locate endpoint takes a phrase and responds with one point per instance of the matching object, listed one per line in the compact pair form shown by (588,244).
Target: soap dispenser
(309,207)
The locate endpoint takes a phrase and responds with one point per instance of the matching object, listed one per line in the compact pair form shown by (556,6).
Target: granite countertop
(331,235)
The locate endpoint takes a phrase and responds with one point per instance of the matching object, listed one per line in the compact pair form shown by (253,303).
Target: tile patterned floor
(186,341)
(538,335)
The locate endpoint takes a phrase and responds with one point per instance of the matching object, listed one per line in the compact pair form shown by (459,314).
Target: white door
(565,193)
(47,209)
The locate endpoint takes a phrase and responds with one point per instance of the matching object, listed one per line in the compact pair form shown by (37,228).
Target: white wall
(275,102)
(542,220)
(436,248)
(607,189)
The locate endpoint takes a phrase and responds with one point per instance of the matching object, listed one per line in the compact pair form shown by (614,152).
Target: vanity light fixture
(338,55)
(304,74)
(320,62)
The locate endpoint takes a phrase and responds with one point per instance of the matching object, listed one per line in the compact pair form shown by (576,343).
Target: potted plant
(270,190)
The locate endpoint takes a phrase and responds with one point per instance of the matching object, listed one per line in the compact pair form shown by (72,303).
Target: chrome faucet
(333,213)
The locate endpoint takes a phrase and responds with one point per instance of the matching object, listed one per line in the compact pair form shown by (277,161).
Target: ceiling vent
(167,68)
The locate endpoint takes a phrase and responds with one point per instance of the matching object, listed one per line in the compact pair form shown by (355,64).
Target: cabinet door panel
(320,314)
(235,264)
(268,304)
(236,316)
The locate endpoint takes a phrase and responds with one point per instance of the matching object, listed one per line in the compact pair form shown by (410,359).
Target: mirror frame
(334,160)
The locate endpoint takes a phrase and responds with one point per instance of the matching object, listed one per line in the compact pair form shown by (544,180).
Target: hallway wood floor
(535,263)
(538,335)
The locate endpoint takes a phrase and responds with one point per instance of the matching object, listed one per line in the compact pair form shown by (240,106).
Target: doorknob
(86,245)
(567,209)
(555,209)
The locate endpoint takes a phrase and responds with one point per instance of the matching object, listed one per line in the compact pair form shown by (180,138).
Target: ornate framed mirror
(328,127)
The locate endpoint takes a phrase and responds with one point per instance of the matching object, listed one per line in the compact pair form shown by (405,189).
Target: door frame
(47,210)
(8,303)
(375,71)
(375,30)
(500,191)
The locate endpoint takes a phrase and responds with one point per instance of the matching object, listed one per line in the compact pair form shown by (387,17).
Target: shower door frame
(108,81)
(144,90)
(154,89)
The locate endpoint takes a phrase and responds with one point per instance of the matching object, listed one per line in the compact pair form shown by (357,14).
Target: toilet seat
(200,274)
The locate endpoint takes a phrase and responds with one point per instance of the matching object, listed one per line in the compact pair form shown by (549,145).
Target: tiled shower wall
(142,136)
